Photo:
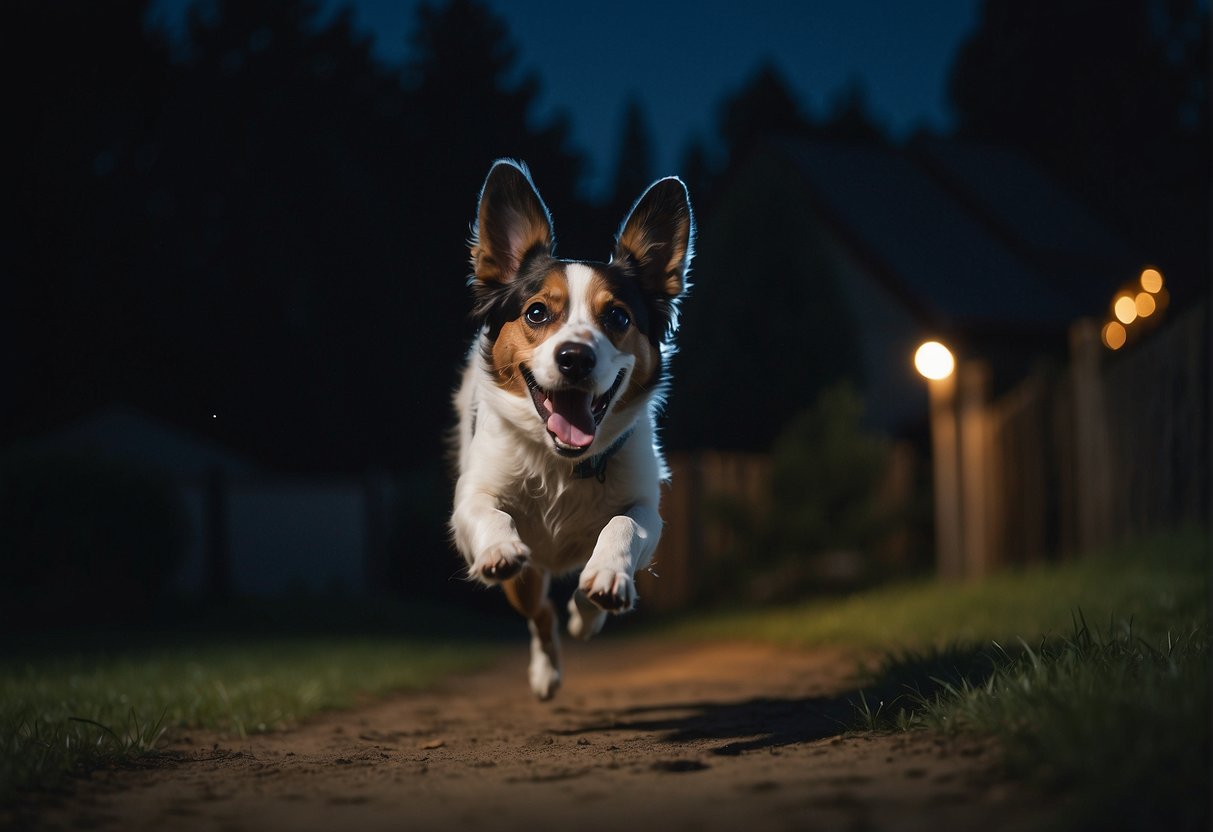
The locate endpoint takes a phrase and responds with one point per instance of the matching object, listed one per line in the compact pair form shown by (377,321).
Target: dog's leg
(528,593)
(488,539)
(625,544)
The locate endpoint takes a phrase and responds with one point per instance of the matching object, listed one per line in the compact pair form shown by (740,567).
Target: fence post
(944,453)
(1092,460)
(973,383)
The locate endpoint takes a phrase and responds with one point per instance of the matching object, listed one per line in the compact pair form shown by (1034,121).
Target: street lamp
(959,453)
(937,365)
(934,361)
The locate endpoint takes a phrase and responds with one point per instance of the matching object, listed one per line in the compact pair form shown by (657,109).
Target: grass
(1118,723)
(1092,676)
(1159,584)
(72,713)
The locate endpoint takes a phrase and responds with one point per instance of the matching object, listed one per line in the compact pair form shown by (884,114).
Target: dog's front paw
(501,561)
(611,591)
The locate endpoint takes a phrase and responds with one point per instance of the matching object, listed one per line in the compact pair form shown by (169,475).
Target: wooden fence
(1071,460)
(697,537)
(687,551)
(1075,459)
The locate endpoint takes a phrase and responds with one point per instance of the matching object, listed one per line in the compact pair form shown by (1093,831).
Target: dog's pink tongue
(571,420)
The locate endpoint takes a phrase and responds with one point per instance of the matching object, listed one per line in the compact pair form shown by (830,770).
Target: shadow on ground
(898,689)
(748,725)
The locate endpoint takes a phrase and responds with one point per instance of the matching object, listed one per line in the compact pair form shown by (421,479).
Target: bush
(85,539)
(828,519)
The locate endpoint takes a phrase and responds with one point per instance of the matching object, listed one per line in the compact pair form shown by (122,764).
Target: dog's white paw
(585,618)
(544,676)
(544,671)
(501,561)
(611,591)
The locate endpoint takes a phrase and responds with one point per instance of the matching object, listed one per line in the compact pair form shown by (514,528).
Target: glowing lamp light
(934,361)
(1114,335)
(1145,304)
(1151,280)
(1125,309)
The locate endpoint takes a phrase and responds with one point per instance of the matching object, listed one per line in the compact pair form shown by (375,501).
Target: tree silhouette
(698,172)
(634,168)
(764,330)
(759,362)
(765,106)
(1113,101)
(275,242)
(83,85)
(468,109)
(849,119)
(271,230)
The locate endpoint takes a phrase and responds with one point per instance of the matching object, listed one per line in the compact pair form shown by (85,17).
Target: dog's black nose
(576,361)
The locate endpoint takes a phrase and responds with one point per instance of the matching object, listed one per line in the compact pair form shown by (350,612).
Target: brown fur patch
(630,340)
(518,339)
(512,221)
(657,237)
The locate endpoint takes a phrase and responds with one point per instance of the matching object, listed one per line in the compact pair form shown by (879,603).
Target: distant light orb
(1145,304)
(934,361)
(1125,309)
(1114,335)
(1151,280)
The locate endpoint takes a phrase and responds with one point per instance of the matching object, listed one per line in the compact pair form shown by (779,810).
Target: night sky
(683,57)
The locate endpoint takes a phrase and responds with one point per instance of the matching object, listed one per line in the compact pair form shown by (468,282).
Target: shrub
(829,517)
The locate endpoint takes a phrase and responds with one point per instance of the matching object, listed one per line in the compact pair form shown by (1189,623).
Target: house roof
(1033,215)
(970,236)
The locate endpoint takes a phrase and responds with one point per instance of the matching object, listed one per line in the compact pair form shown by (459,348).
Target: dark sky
(682,57)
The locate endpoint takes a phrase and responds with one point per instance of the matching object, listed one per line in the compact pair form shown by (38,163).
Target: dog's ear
(655,241)
(511,223)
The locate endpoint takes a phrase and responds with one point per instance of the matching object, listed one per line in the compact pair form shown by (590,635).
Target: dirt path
(715,736)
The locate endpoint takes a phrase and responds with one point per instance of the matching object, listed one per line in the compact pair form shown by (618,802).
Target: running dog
(558,463)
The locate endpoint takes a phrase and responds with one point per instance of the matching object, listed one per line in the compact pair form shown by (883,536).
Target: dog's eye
(617,318)
(537,314)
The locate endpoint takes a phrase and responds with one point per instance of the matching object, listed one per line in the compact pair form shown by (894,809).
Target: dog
(559,467)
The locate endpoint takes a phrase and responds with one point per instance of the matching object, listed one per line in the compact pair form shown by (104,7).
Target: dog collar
(596,465)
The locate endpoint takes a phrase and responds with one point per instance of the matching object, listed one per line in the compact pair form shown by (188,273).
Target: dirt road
(644,734)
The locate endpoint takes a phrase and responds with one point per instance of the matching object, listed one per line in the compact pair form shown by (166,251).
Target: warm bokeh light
(1114,335)
(1151,280)
(1145,304)
(934,361)
(1125,309)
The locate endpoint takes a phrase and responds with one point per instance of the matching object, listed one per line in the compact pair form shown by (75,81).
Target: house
(973,245)
(255,533)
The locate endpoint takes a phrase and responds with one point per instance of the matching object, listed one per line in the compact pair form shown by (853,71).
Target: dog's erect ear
(511,223)
(655,241)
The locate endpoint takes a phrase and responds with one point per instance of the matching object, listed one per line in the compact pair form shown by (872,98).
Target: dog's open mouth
(572,415)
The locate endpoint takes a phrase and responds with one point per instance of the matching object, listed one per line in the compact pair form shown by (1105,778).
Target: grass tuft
(1118,722)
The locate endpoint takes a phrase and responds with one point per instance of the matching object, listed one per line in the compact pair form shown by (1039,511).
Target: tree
(765,329)
(698,173)
(83,83)
(849,119)
(634,169)
(765,106)
(1112,100)
(468,110)
(278,238)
